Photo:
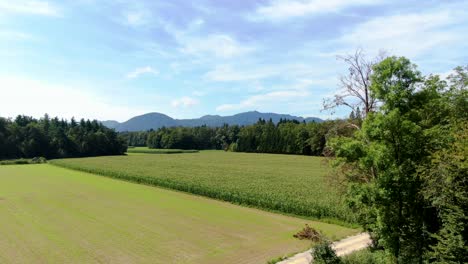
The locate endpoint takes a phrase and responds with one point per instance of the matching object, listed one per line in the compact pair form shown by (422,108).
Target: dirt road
(342,247)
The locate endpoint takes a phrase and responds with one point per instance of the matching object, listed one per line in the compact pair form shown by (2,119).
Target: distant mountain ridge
(157,120)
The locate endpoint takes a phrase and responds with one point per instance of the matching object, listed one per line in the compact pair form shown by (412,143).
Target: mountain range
(157,120)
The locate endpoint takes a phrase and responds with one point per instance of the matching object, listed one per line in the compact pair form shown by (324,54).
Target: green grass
(159,151)
(54,215)
(285,183)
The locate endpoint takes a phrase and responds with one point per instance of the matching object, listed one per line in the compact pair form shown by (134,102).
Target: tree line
(27,137)
(285,137)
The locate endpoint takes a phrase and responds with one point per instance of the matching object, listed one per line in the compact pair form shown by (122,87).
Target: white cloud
(31,7)
(192,42)
(256,72)
(137,18)
(219,45)
(143,70)
(277,10)
(265,100)
(184,102)
(412,34)
(35,98)
(15,35)
(227,73)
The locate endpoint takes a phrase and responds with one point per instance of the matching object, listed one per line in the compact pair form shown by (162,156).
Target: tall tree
(355,86)
(381,162)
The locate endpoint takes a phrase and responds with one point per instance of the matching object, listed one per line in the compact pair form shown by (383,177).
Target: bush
(38,160)
(367,257)
(323,253)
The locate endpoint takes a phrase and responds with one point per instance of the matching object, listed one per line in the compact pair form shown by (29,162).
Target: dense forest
(27,137)
(287,136)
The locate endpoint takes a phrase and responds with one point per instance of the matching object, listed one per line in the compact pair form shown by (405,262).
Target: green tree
(381,161)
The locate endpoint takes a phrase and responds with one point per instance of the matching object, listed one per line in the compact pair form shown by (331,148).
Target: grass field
(286,183)
(159,151)
(54,215)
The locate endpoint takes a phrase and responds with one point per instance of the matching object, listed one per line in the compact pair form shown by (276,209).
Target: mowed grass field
(286,183)
(159,151)
(54,215)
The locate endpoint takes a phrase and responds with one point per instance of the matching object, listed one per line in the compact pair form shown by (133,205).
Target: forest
(27,137)
(285,137)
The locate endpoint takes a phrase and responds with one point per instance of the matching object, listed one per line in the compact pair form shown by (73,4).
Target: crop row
(236,183)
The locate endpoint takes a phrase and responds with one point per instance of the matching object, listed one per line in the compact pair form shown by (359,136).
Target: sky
(114,59)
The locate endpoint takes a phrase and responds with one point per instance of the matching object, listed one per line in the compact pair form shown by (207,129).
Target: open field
(54,215)
(159,151)
(286,183)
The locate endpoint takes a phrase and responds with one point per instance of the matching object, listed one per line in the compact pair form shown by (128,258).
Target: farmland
(55,215)
(285,183)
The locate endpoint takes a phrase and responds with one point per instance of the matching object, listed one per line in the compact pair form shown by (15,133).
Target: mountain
(110,123)
(158,120)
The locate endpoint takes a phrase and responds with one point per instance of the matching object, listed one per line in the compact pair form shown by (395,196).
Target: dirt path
(342,247)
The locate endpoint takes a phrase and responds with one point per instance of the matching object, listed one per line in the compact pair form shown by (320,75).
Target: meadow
(289,184)
(146,150)
(54,215)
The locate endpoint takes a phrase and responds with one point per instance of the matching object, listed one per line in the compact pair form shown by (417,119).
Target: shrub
(367,257)
(323,253)
(37,160)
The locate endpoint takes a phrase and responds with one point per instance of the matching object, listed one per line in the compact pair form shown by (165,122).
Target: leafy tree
(323,253)
(406,168)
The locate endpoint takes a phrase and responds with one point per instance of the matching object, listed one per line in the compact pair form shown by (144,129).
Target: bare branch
(356,84)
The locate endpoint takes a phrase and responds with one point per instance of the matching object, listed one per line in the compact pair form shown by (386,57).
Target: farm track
(342,248)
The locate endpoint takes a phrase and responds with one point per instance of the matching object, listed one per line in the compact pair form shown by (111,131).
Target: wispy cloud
(224,73)
(137,17)
(264,100)
(184,102)
(30,7)
(277,10)
(410,34)
(15,35)
(219,45)
(192,41)
(143,70)
(291,71)
(74,101)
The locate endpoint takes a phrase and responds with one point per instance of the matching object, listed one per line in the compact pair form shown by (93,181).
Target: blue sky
(116,59)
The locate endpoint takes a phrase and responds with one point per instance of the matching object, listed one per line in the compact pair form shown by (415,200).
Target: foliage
(146,150)
(446,189)
(367,256)
(285,137)
(35,160)
(135,139)
(323,253)
(385,164)
(284,183)
(26,137)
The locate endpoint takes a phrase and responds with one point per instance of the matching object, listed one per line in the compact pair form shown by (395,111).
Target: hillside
(158,120)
